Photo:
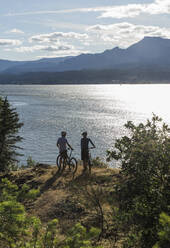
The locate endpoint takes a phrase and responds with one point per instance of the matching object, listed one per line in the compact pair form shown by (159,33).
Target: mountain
(6,64)
(146,60)
(45,64)
(149,51)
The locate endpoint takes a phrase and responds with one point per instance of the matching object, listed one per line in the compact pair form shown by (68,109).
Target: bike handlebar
(70,149)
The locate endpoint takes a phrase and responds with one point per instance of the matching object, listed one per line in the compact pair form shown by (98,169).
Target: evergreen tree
(9,127)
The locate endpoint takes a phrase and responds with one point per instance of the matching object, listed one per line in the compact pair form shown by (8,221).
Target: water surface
(101,110)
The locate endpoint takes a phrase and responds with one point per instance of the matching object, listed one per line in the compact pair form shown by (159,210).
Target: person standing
(85,150)
(62,144)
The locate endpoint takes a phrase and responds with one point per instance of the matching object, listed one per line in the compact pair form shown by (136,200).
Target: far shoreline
(92,83)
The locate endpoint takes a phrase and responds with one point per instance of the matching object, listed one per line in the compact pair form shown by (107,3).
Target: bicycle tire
(73,165)
(58,161)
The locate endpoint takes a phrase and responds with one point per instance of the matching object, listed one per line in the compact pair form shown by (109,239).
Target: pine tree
(9,127)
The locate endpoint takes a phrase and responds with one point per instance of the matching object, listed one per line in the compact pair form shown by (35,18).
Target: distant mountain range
(18,67)
(146,60)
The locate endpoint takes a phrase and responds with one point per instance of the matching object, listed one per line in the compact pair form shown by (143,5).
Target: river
(101,110)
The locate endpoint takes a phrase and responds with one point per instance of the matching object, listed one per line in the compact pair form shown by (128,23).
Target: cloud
(125,34)
(56,49)
(9,42)
(43,48)
(55,36)
(73,52)
(51,51)
(55,44)
(16,31)
(158,7)
(133,10)
(113,11)
(64,11)
(124,11)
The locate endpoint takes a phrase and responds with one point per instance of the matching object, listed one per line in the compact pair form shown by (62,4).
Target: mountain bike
(63,161)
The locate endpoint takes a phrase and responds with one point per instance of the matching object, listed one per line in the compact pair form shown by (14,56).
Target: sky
(34,29)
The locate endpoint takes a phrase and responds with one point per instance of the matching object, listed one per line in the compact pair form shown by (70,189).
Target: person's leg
(84,165)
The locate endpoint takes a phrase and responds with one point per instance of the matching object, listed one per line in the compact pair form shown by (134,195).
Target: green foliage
(98,162)
(80,238)
(144,191)
(164,234)
(10,191)
(30,162)
(18,230)
(14,222)
(43,237)
(9,127)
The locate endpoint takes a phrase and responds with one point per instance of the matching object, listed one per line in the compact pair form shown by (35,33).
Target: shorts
(85,155)
(64,154)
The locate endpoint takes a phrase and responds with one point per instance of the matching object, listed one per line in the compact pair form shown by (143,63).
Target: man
(62,144)
(85,150)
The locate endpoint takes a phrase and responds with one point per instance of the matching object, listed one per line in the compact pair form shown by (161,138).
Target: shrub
(79,237)
(14,221)
(144,191)
(164,233)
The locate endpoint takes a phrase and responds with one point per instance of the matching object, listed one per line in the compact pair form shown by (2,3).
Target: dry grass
(65,197)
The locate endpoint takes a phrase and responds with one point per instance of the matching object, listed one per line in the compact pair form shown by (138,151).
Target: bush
(19,230)
(144,191)
(164,233)
(98,162)
(78,237)
(14,221)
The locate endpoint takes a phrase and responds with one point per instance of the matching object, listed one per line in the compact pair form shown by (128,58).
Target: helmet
(63,133)
(84,133)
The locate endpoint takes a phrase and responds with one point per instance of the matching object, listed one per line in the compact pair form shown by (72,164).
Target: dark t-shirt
(85,144)
(84,148)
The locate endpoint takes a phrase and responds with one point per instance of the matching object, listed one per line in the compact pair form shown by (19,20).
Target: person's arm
(69,145)
(57,144)
(81,144)
(92,143)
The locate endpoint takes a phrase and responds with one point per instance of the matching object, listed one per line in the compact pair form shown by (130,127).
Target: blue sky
(34,29)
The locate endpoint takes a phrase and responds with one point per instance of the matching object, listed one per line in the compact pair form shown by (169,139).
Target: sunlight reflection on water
(102,110)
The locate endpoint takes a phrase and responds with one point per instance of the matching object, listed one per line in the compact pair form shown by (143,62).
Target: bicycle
(68,160)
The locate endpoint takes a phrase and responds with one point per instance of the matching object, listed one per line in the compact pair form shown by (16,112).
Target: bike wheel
(73,165)
(58,162)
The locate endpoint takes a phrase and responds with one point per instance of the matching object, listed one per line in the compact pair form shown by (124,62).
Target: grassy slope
(69,199)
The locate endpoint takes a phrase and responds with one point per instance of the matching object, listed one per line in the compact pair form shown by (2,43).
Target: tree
(9,127)
(164,233)
(80,238)
(14,221)
(20,230)
(143,192)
